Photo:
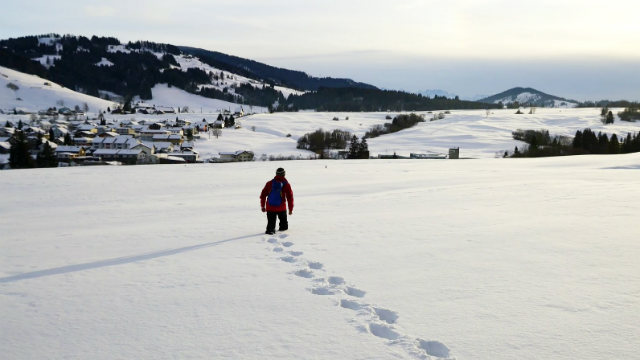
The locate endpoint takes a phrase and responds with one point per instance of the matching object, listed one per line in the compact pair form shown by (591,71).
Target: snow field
(480,259)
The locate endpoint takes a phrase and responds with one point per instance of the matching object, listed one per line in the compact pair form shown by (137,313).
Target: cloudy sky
(576,49)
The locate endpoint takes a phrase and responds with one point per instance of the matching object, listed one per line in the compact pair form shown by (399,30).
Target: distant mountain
(520,96)
(278,76)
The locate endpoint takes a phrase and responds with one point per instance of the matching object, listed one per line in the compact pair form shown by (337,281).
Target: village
(76,139)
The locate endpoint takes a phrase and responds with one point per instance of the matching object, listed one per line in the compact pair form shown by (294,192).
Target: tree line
(398,123)
(586,141)
(362,99)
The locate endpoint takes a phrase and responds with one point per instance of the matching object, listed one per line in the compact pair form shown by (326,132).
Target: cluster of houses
(85,142)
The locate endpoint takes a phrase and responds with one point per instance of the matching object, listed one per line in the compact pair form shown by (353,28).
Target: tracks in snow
(377,321)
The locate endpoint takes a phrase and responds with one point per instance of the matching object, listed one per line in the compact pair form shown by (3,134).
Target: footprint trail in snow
(377,321)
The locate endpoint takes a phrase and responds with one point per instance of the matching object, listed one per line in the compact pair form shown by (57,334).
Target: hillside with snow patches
(31,93)
(51,49)
(529,97)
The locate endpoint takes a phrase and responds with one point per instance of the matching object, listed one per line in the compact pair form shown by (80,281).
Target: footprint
(383,331)
(304,273)
(434,348)
(289,259)
(351,291)
(336,280)
(315,265)
(296,253)
(348,304)
(388,316)
(287,244)
(272,240)
(322,291)
(283,236)
(277,249)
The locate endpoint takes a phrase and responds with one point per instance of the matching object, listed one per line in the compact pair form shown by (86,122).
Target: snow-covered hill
(31,93)
(177,98)
(390,259)
(529,97)
(476,134)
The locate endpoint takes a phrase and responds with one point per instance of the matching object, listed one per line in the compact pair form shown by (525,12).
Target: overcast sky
(575,49)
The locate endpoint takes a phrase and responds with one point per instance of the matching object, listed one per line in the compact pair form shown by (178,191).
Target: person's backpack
(276,196)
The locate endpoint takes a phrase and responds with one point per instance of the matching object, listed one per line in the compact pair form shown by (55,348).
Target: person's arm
(289,193)
(263,196)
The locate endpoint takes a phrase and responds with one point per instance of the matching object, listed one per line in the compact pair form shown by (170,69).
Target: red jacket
(286,191)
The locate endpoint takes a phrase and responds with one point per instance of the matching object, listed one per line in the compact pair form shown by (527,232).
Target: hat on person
(280,172)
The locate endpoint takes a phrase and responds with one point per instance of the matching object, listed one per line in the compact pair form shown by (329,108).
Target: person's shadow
(115,261)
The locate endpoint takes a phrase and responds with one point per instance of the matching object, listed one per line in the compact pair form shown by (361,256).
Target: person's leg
(271,222)
(284,224)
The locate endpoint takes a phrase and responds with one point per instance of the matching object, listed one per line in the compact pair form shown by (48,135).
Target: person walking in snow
(274,198)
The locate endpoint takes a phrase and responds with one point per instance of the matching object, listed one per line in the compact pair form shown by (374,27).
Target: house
(7,131)
(125,131)
(165,110)
(218,124)
(174,139)
(5,146)
(118,142)
(108,134)
(87,128)
(240,155)
(82,141)
(4,162)
(144,108)
(187,145)
(59,130)
(162,147)
(148,134)
(65,111)
(67,153)
(430,155)
(188,156)
(133,156)
(106,154)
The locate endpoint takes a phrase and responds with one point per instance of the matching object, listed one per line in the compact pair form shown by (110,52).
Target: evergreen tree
(363,151)
(354,148)
(52,136)
(603,143)
(46,157)
(230,121)
(19,156)
(610,118)
(67,139)
(614,145)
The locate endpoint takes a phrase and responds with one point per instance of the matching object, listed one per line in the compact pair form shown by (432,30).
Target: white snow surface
(163,95)
(384,259)
(35,93)
(476,134)
(45,59)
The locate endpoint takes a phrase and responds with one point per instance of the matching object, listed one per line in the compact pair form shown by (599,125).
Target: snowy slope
(177,98)
(34,93)
(470,259)
(476,134)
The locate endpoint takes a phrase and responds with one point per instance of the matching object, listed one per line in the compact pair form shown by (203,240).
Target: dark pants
(271,221)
